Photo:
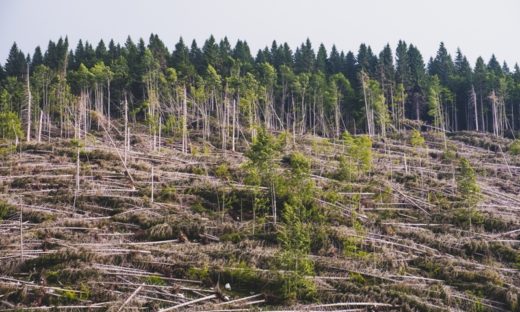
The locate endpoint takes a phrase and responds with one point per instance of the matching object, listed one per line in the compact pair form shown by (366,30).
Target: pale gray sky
(478,27)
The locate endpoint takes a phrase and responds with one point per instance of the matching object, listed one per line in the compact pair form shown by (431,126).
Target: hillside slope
(399,234)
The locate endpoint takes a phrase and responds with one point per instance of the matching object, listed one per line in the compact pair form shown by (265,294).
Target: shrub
(222,172)
(155,280)
(358,158)
(467,184)
(416,139)
(10,126)
(6,210)
(160,232)
(514,148)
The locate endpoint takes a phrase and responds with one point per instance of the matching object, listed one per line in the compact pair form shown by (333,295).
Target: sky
(478,27)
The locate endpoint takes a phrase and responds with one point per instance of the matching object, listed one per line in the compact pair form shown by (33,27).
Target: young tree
(10,126)
(434,104)
(261,155)
(467,184)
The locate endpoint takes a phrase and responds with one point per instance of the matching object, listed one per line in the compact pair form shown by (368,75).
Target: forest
(135,178)
(217,86)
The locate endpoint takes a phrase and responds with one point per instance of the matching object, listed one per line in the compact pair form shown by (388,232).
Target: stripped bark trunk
(40,127)
(233,126)
(29,99)
(126,129)
(152,187)
(185,123)
(473,100)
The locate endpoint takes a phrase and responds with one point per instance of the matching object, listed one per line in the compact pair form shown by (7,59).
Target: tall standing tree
(15,66)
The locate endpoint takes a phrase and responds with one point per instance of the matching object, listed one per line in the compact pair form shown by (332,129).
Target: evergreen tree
(335,63)
(403,64)
(197,58)
(321,59)
(350,69)
(159,51)
(304,58)
(442,66)
(37,58)
(15,66)
(101,52)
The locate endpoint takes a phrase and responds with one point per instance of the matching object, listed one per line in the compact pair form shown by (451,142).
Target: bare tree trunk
(223,125)
(473,100)
(185,123)
(21,232)
(369,114)
(108,103)
(127,140)
(482,112)
(77,134)
(273,200)
(77,169)
(29,99)
(293,120)
(40,127)
(152,186)
(233,126)
(513,118)
(494,112)
(336,118)
(160,130)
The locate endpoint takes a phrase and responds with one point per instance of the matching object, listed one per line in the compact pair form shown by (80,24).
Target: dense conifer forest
(301,90)
(138,178)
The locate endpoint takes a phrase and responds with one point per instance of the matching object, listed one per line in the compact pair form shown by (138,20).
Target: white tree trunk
(29,100)
(40,127)
(233,126)
(473,99)
(108,103)
(185,123)
(127,139)
(152,186)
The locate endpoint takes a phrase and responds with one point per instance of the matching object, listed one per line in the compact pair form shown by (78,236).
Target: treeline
(224,89)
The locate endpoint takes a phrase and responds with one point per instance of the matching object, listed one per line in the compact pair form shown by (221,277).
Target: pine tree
(467,184)
(15,66)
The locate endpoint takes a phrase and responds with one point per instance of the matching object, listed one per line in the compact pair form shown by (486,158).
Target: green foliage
(70,295)
(222,172)
(416,139)
(434,101)
(167,194)
(263,150)
(101,73)
(85,292)
(514,148)
(295,240)
(201,274)
(297,287)
(358,158)
(278,287)
(296,189)
(155,280)
(378,100)
(357,278)
(361,151)
(300,164)
(347,138)
(10,126)
(294,234)
(6,210)
(468,217)
(467,184)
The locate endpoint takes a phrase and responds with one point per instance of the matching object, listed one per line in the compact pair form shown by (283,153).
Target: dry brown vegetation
(396,238)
